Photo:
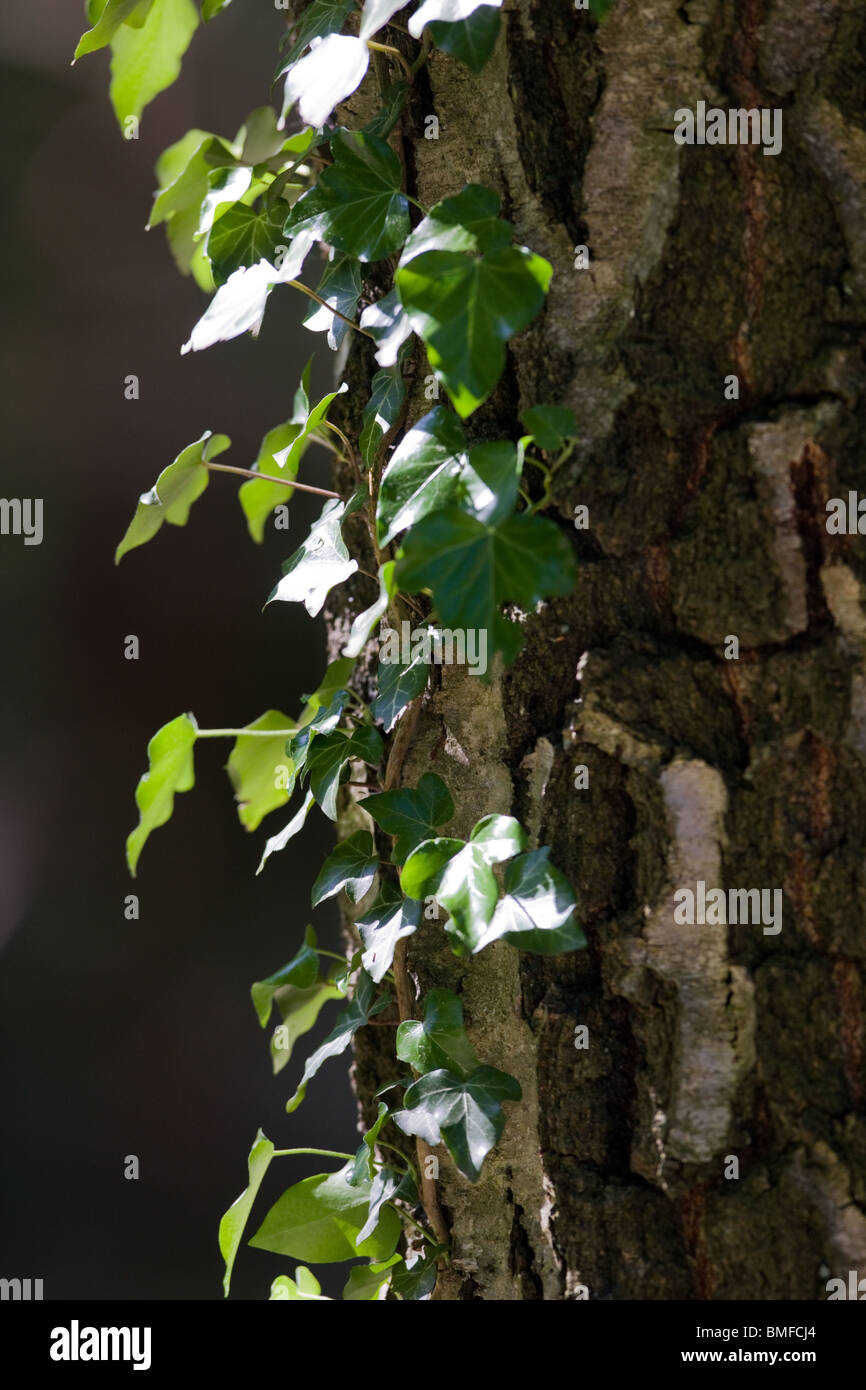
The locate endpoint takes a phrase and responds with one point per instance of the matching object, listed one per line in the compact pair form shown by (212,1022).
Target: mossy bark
(706,521)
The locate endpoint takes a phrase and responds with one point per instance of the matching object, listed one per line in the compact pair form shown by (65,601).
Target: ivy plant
(456,536)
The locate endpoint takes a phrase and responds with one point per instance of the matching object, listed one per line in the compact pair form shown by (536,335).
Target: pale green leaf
(319,1219)
(256,765)
(355,1016)
(365,623)
(147,60)
(170,769)
(177,487)
(233,1223)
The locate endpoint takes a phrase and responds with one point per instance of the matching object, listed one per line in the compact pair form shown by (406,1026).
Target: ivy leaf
(370,1282)
(352,865)
(146,60)
(421,474)
(280,455)
(376,15)
(460,875)
(471,40)
(362,1164)
(320,18)
(340,287)
(440,1041)
(417,1281)
(304,1288)
(358,204)
(334,67)
(549,425)
(444,10)
(366,621)
(225,187)
(389,325)
(183,177)
(115,13)
(302,972)
(210,9)
(239,305)
(537,912)
(465,1114)
(177,487)
(362,1008)
(328,757)
(466,307)
(388,392)
(319,564)
(334,683)
(385,1186)
(233,1223)
(468,221)
(299,1010)
(398,686)
(411,815)
(279,841)
(262,137)
(473,566)
(243,237)
(384,121)
(252,767)
(319,1220)
(170,769)
(391,918)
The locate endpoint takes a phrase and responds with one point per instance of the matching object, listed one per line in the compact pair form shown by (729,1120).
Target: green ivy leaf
(386,1185)
(319,1220)
(299,1010)
(388,323)
(466,307)
(549,425)
(471,40)
(398,686)
(464,1114)
(280,456)
(252,767)
(365,623)
(382,411)
(340,287)
(209,10)
(449,11)
(467,221)
(440,1041)
(170,769)
(304,1288)
(242,237)
(262,137)
(177,487)
(113,14)
(334,683)
(352,865)
(417,1281)
(325,77)
(393,101)
(319,564)
(288,832)
(362,1164)
(460,875)
(320,18)
(226,186)
(329,755)
(302,972)
(146,60)
(391,918)
(362,1008)
(183,179)
(411,815)
(537,912)
(370,1283)
(473,566)
(239,305)
(233,1223)
(358,204)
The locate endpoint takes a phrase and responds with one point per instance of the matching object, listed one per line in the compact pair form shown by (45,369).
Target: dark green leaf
(440,1041)
(170,769)
(340,287)
(398,686)
(415,1282)
(429,11)
(334,683)
(363,1169)
(319,1220)
(352,865)
(422,473)
(466,1115)
(469,221)
(460,875)
(318,19)
(177,487)
(471,40)
(328,756)
(411,815)
(466,307)
(389,324)
(393,100)
(391,918)
(357,204)
(365,622)
(302,972)
(381,412)
(242,237)
(239,305)
(472,567)
(233,1223)
(549,425)
(383,1188)
(361,1009)
(537,912)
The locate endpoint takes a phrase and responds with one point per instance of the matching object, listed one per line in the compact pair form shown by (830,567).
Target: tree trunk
(707,521)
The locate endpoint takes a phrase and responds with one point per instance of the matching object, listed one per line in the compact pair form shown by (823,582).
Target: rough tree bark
(707,519)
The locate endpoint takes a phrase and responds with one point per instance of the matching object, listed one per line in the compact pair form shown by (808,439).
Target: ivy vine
(455,535)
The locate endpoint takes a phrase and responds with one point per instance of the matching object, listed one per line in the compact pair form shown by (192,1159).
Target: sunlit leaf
(302,972)
(537,912)
(464,1114)
(170,769)
(358,204)
(351,866)
(253,766)
(177,487)
(440,1041)
(233,1223)
(319,1219)
(391,918)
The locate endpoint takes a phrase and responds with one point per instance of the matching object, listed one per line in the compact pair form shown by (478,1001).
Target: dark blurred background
(138,1037)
